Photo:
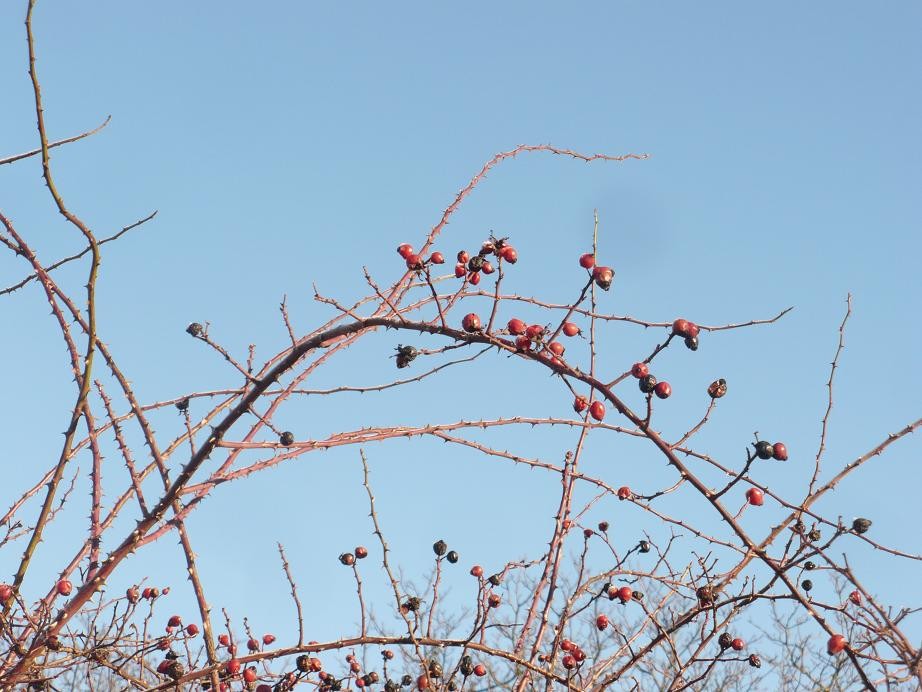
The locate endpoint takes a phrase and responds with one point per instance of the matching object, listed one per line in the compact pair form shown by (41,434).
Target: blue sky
(293,145)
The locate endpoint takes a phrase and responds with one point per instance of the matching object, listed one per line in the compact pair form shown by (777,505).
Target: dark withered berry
(647,384)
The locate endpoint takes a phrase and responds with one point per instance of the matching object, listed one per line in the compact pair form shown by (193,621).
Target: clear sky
(297,142)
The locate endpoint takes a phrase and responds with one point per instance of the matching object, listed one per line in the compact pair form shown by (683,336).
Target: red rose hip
(471,323)
(836,644)
(639,370)
(663,390)
(597,410)
(755,497)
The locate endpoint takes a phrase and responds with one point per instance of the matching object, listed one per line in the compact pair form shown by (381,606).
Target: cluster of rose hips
(725,641)
(528,336)
(440,548)
(767,450)
(596,408)
(149,593)
(416,262)
(625,594)
(174,623)
(434,672)
(648,383)
(603,276)
(473,266)
(688,331)
(348,559)
(574,654)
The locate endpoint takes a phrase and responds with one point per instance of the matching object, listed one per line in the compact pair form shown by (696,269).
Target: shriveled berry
(131,593)
(570,329)
(814,535)
(587,533)
(495,579)
(806,584)
(467,666)
(637,595)
(647,384)
(809,565)
(603,277)
(516,326)
(587,261)
(453,556)
(764,449)
(644,546)
(475,264)
(195,329)
(725,641)
(494,600)
(182,404)
(471,323)
(855,597)
(597,410)
(287,438)
(603,526)
(755,661)
(663,389)
(859,525)
(705,595)
(717,388)
(624,493)
(691,343)
(755,497)
(440,547)
(779,451)
(435,669)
